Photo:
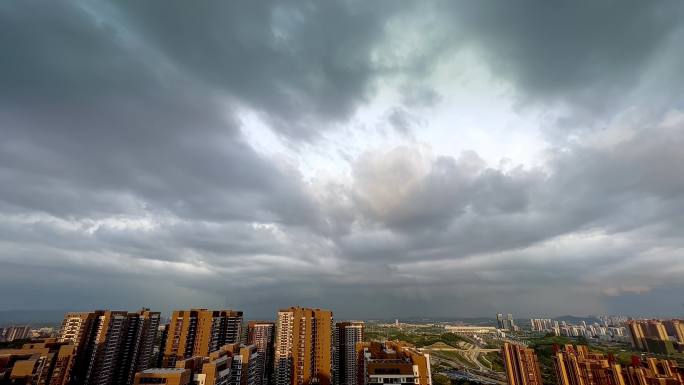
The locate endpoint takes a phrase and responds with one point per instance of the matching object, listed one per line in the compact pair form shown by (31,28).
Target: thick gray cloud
(127,177)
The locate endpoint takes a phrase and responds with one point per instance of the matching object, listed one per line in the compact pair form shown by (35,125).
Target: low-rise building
(392,362)
(46,362)
(231,364)
(167,376)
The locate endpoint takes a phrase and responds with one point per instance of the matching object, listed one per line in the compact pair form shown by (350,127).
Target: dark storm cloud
(125,174)
(121,135)
(581,51)
(300,63)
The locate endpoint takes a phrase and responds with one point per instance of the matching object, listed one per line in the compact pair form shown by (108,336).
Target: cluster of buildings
(12,333)
(577,366)
(47,362)
(610,329)
(23,332)
(506,323)
(593,331)
(613,320)
(211,347)
(543,325)
(656,336)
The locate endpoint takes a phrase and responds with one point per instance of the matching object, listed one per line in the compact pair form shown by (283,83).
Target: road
(482,378)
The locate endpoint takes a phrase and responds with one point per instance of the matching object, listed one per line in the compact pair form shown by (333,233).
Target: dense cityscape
(341,192)
(302,346)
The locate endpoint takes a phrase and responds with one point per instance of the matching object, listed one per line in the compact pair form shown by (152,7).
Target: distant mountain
(31,317)
(571,319)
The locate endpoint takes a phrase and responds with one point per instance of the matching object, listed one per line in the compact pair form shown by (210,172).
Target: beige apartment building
(111,346)
(521,365)
(198,332)
(303,346)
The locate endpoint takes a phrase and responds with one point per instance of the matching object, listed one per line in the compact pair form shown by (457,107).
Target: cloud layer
(130,176)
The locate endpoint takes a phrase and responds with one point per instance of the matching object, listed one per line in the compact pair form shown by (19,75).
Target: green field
(417,338)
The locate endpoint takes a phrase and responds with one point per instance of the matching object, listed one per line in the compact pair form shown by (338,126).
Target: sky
(378,158)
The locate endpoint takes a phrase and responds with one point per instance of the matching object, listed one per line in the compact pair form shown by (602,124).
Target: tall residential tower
(111,346)
(198,332)
(347,335)
(521,365)
(261,334)
(303,350)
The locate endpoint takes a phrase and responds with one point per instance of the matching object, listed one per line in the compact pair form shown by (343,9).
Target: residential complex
(111,346)
(47,362)
(542,324)
(656,336)
(654,371)
(675,329)
(303,346)
(579,366)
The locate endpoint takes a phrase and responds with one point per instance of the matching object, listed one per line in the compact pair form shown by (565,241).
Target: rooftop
(163,370)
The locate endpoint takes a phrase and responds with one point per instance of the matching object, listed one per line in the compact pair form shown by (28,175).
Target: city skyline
(304,346)
(384,159)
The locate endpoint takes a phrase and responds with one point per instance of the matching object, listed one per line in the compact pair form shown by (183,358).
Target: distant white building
(470,330)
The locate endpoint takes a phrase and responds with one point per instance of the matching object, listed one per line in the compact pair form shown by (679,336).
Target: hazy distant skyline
(381,159)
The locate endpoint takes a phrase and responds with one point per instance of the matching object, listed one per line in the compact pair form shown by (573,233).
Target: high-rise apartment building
(541,324)
(303,347)
(652,336)
(521,365)
(578,366)
(675,328)
(198,332)
(262,335)
(347,335)
(245,365)
(638,334)
(216,370)
(111,346)
(392,362)
(654,372)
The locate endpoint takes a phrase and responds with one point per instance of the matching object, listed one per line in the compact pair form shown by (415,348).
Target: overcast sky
(378,158)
